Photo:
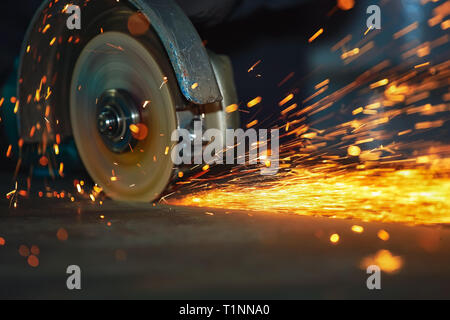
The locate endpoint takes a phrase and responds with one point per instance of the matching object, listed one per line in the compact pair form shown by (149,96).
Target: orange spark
(254,102)
(251,124)
(46,28)
(8,152)
(254,66)
(318,33)
(231,108)
(286,100)
(380,83)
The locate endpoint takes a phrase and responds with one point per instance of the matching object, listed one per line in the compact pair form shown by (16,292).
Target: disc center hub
(109,122)
(116,112)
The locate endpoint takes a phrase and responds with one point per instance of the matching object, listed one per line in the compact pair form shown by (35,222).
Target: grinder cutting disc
(123,101)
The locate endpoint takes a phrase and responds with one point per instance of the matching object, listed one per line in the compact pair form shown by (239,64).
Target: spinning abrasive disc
(123,112)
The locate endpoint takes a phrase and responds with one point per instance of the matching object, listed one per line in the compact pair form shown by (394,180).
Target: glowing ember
(345,4)
(139,131)
(62,234)
(33,261)
(357,229)
(385,260)
(35,250)
(334,238)
(24,251)
(383,235)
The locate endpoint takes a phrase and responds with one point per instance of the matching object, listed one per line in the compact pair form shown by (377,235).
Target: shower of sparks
(357,159)
(417,196)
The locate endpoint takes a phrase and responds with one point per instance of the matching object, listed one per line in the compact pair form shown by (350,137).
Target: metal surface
(48,59)
(140,251)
